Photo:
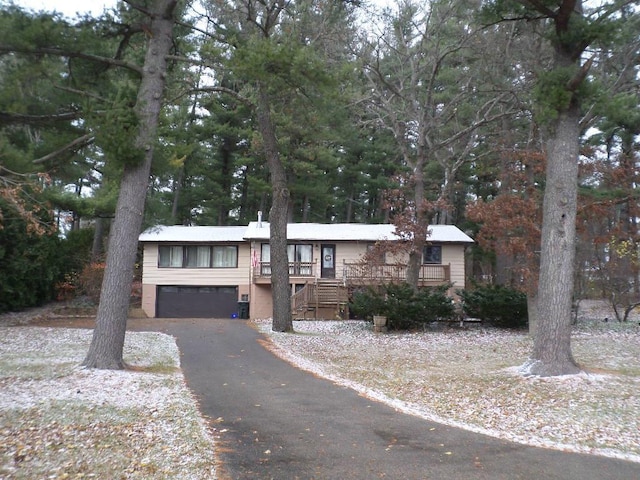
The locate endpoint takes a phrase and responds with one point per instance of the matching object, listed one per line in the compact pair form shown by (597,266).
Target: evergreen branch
(577,79)
(11,172)
(9,117)
(229,92)
(74,145)
(539,6)
(191,61)
(82,93)
(72,54)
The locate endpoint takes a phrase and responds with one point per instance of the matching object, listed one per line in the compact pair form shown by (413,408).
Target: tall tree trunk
(532,309)
(107,344)
(349,206)
(177,190)
(552,341)
(420,228)
(98,234)
(226,172)
(278,215)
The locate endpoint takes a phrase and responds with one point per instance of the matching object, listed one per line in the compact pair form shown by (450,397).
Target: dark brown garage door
(197,302)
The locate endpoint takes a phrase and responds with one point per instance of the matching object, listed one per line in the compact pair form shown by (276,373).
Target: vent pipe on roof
(259,219)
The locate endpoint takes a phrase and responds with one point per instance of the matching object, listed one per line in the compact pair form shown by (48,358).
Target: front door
(328,263)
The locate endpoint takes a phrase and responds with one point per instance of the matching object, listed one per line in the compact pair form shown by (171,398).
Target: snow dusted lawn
(469,378)
(58,420)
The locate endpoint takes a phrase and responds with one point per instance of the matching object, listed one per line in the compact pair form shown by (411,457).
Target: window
(225,257)
(376,254)
(198,256)
(295,253)
(300,255)
(265,256)
(432,254)
(170,256)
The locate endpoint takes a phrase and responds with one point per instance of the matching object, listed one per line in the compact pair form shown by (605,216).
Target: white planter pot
(379,320)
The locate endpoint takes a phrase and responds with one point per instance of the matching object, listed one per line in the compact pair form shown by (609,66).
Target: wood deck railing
(359,273)
(363,274)
(296,269)
(329,295)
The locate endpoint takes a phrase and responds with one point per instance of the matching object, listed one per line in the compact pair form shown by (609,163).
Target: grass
(468,378)
(60,421)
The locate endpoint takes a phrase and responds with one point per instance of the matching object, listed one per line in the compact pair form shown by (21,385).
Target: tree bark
(532,309)
(421,225)
(278,216)
(552,341)
(107,344)
(98,234)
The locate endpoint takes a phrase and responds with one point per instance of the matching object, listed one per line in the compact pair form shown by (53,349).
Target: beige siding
(149,300)
(152,276)
(349,252)
(260,294)
(261,305)
(454,255)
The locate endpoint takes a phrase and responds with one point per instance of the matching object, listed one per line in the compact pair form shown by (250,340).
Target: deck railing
(388,273)
(322,295)
(360,273)
(296,269)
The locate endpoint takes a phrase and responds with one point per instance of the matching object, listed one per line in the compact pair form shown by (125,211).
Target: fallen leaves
(79,423)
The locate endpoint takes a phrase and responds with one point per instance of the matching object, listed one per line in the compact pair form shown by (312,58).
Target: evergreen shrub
(404,308)
(30,265)
(497,305)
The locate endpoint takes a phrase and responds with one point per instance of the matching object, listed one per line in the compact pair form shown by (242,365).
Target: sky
(67,7)
(70,7)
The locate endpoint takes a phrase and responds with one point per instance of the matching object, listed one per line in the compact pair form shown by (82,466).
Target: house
(226,271)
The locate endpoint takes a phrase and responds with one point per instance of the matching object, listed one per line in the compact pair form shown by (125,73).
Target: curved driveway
(274,421)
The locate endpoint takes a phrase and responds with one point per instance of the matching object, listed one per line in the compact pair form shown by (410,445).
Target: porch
(322,299)
(358,273)
(328,298)
(363,274)
(302,271)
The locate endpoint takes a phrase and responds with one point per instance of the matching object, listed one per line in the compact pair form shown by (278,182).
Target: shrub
(404,308)
(497,305)
(90,281)
(30,262)
(366,302)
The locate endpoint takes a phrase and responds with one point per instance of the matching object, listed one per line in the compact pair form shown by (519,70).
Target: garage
(196,302)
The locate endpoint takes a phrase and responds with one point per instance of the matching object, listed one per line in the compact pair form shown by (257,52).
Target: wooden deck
(322,298)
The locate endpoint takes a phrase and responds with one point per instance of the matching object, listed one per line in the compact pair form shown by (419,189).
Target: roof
(296,231)
(181,233)
(353,232)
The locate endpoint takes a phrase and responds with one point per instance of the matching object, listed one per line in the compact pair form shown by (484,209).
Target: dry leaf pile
(470,378)
(60,421)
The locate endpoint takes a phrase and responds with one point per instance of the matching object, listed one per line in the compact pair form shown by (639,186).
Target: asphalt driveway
(274,421)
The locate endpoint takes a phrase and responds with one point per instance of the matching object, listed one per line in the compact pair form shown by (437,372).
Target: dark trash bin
(243,310)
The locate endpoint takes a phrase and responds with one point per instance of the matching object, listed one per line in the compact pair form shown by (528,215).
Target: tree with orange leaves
(510,223)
